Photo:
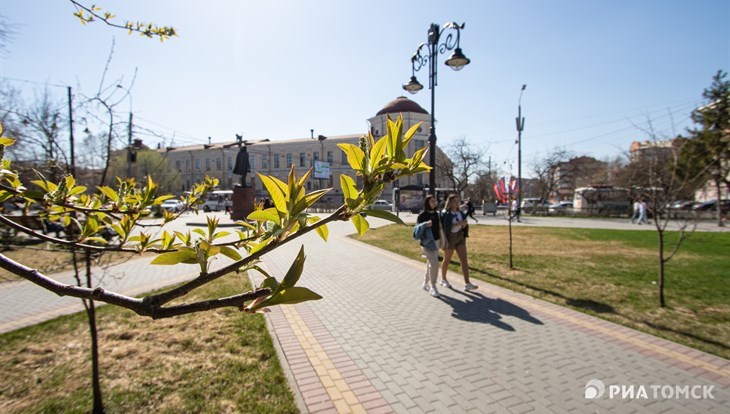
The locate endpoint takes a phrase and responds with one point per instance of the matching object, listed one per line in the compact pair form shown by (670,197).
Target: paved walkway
(377,343)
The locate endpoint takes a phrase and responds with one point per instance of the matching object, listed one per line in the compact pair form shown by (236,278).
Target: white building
(275,156)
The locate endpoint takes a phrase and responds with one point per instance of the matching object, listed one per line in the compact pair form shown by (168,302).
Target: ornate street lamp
(419,60)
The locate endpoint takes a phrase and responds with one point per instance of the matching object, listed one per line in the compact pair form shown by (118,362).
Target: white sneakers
(445,283)
(433,292)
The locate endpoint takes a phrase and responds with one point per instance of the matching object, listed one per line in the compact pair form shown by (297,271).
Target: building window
(276,161)
(207,164)
(252,161)
(288,160)
(420,143)
(344,158)
(187,165)
(264,161)
(197,165)
(329,156)
(230,162)
(302,159)
(177,165)
(315,156)
(218,164)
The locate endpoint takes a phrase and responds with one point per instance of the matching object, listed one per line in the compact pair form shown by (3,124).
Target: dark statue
(243,165)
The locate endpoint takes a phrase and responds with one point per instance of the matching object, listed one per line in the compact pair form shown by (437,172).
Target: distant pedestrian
(428,231)
(635,213)
(643,216)
(515,210)
(456,230)
(470,209)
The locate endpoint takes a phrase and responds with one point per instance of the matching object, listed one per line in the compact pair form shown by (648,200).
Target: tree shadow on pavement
(479,308)
(586,304)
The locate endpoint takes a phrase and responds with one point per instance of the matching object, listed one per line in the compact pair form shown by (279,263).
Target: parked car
(382,205)
(172,205)
(561,206)
(532,204)
(712,206)
(680,205)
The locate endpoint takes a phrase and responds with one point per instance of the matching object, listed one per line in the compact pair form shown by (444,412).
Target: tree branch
(204,278)
(143,307)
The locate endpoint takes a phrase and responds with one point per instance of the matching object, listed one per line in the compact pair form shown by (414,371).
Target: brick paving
(399,350)
(378,343)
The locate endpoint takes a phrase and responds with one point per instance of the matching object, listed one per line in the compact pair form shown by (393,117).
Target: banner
(321,170)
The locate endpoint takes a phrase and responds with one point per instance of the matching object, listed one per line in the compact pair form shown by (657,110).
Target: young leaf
(349,189)
(231,253)
(387,215)
(109,193)
(360,223)
(277,194)
(270,214)
(172,258)
(355,156)
(270,283)
(291,296)
(295,271)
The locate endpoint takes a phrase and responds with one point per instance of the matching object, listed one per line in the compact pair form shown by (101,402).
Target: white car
(172,205)
(382,205)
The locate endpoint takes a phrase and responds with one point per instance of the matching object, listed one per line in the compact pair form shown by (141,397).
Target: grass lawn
(214,362)
(607,273)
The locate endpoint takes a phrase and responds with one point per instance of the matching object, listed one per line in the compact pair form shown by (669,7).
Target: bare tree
(463,162)
(654,178)
(550,174)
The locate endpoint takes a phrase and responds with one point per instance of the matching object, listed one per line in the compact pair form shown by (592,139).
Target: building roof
(401,104)
(257,143)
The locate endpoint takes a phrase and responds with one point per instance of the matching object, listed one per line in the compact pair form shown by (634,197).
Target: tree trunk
(660,283)
(720,223)
(91,313)
(510,240)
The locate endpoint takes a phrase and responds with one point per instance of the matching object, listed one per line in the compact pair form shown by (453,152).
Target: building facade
(276,156)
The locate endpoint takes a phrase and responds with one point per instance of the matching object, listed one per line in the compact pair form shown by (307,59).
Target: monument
(243,195)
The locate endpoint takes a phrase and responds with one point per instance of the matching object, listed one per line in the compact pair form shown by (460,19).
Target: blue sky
(595,70)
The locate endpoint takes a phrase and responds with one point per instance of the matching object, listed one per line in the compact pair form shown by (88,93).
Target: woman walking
(456,229)
(428,222)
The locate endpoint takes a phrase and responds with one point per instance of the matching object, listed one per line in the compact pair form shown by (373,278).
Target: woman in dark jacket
(456,230)
(429,218)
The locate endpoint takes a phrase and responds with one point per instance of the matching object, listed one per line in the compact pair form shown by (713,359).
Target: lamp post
(520,122)
(430,58)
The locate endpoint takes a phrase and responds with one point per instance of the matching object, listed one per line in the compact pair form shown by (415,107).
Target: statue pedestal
(243,198)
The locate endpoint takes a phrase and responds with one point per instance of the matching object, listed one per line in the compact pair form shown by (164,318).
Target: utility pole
(520,120)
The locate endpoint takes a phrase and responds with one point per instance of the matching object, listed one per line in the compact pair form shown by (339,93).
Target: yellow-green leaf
(270,214)
(231,253)
(361,225)
(276,192)
(172,258)
(349,189)
(355,156)
(378,152)
(109,193)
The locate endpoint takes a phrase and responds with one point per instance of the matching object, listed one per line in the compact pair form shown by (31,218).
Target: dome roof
(401,104)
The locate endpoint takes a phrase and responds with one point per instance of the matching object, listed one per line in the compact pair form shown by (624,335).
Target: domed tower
(412,114)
